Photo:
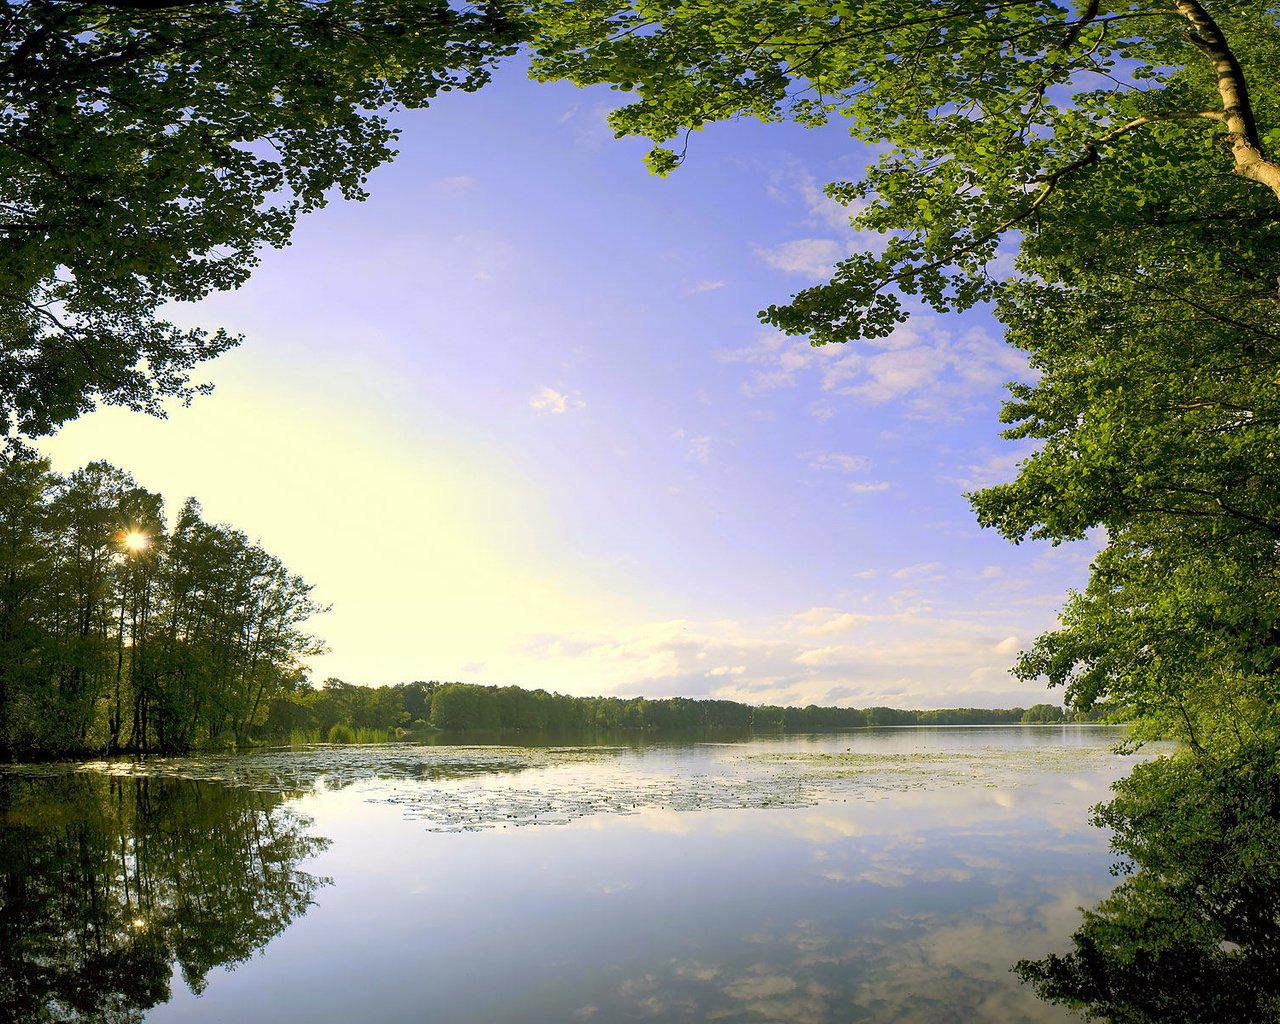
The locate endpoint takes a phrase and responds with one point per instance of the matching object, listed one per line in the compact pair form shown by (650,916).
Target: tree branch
(1050,182)
(1246,147)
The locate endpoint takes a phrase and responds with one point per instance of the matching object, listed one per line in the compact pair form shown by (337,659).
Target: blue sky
(516,419)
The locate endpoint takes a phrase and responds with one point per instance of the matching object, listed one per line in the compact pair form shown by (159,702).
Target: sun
(135,540)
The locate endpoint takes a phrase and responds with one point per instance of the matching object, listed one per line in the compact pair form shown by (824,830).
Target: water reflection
(453,788)
(1193,932)
(907,912)
(107,884)
(879,877)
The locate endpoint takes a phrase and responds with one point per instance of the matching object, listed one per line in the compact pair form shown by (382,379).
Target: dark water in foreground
(885,875)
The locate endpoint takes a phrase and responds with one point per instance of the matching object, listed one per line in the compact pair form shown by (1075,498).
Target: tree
(1178,629)
(115,635)
(1192,932)
(1123,152)
(1043,714)
(149,150)
(25,564)
(997,116)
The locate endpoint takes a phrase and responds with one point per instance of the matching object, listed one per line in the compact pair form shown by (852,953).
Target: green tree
(1123,154)
(1192,933)
(994,117)
(115,635)
(26,562)
(1042,714)
(1178,630)
(148,151)
(102,595)
(454,706)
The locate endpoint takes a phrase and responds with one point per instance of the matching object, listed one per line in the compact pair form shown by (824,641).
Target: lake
(882,875)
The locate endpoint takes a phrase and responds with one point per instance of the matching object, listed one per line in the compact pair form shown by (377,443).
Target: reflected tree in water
(106,883)
(1192,934)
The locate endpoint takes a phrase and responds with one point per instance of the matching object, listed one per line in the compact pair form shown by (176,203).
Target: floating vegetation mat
(988,766)
(466,788)
(301,770)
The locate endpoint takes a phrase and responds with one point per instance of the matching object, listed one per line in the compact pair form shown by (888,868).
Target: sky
(516,419)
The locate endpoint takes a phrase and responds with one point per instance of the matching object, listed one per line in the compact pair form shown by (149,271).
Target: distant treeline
(117,634)
(342,710)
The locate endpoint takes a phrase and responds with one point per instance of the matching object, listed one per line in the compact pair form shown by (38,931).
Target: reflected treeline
(1193,932)
(106,883)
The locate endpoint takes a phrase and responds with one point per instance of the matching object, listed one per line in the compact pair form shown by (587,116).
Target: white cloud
(811,257)
(871,487)
(824,210)
(937,375)
(456,183)
(926,365)
(995,470)
(827,624)
(700,287)
(1009,645)
(793,183)
(1074,554)
(904,655)
(763,351)
(553,401)
(700,449)
(919,569)
(549,400)
(777,359)
(769,381)
(840,462)
(884,376)
(825,214)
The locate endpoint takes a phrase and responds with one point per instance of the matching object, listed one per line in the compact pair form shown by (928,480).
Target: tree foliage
(1121,154)
(117,635)
(465,707)
(1192,933)
(149,151)
(994,116)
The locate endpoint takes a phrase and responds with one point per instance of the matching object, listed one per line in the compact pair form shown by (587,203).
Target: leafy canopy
(184,638)
(149,150)
(1121,152)
(995,115)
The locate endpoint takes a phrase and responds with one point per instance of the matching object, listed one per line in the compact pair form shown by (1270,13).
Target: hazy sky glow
(517,420)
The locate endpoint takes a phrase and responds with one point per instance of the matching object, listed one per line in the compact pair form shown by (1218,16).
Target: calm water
(885,875)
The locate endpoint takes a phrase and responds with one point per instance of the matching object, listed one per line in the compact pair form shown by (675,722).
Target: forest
(118,634)
(1112,160)
(340,711)
(1102,175)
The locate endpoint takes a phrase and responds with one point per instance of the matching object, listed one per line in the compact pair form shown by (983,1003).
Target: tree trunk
(1237,111)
